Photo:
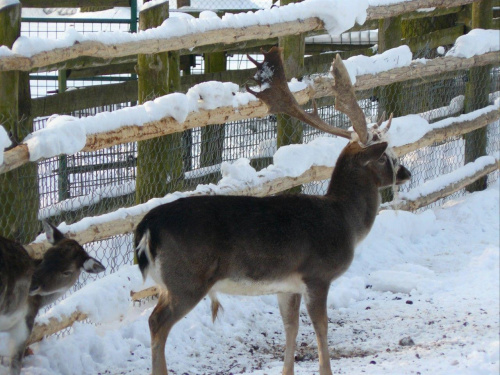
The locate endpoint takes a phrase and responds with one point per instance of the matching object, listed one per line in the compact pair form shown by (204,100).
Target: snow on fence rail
(176,34)
(134,124)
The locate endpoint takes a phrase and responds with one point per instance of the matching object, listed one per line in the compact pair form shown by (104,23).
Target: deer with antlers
(290,245)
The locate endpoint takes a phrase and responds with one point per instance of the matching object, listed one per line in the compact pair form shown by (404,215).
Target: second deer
(27,284)
(290,245)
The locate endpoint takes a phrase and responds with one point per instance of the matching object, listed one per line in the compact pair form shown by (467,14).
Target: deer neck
(357,192)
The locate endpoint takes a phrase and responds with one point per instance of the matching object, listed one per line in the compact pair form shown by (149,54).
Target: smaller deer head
(61,265)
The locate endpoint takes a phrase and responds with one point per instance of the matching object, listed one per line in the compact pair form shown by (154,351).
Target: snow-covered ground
(432,277)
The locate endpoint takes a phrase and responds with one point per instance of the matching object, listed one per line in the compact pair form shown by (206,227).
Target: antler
(379,134)
(345,99)
(278,97)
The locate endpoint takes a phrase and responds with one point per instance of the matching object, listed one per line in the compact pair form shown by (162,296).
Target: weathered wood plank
(230,35)
(411,205)
(322,88)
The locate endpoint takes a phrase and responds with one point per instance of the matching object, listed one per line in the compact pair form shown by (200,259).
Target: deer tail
(143,252)
(216,306)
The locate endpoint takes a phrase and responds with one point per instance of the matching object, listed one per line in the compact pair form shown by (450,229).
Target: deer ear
(92,265)
(373,152)
(52,233)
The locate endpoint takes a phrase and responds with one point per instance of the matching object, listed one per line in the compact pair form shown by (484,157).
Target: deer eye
(67,273)
(382,159)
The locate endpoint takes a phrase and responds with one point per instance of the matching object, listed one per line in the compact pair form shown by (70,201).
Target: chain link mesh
(92,183)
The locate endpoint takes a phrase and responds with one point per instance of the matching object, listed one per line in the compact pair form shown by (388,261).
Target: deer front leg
(19,335)
(315,299)
(289,308)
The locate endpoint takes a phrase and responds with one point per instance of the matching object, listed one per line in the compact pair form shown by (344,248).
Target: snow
(476,42)
(104,191)
(438,183)
(337,16)
(151,4)
(4,142)
(390,59)
(66,134)
(432,277)
(6,3)
(351,37)
(410,128)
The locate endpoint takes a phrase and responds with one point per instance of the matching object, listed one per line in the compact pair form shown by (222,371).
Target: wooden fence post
(212,136)
(159,160)
(390,96)
(290,130)
(477,93)
(63,176)
(427,96)
(19,198)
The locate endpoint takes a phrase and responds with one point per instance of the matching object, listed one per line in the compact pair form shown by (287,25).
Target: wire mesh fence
(70,188)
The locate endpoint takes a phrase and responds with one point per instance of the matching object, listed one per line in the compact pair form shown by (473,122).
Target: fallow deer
(291,245)
(28,284)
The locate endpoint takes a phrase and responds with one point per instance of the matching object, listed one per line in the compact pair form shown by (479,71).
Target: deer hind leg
(289,305)
(169,310)
(316,307)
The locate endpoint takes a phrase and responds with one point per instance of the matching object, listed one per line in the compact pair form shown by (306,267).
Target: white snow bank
(410,128)
(476,42)
(448,179)
(294,160)
(4,142)
(393,58)
(337,16)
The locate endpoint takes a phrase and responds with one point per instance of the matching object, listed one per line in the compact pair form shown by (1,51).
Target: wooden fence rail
(321,88)
(230,35)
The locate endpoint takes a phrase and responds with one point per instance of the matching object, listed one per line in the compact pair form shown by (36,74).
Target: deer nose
(403,175)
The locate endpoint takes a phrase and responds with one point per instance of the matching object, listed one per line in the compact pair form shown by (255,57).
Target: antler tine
(380,121)
(278,97)
(345,99)
(388,126)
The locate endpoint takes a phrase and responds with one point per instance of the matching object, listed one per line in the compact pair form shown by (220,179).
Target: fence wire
(70,188)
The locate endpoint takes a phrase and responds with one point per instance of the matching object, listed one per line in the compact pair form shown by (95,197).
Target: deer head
(61,266)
